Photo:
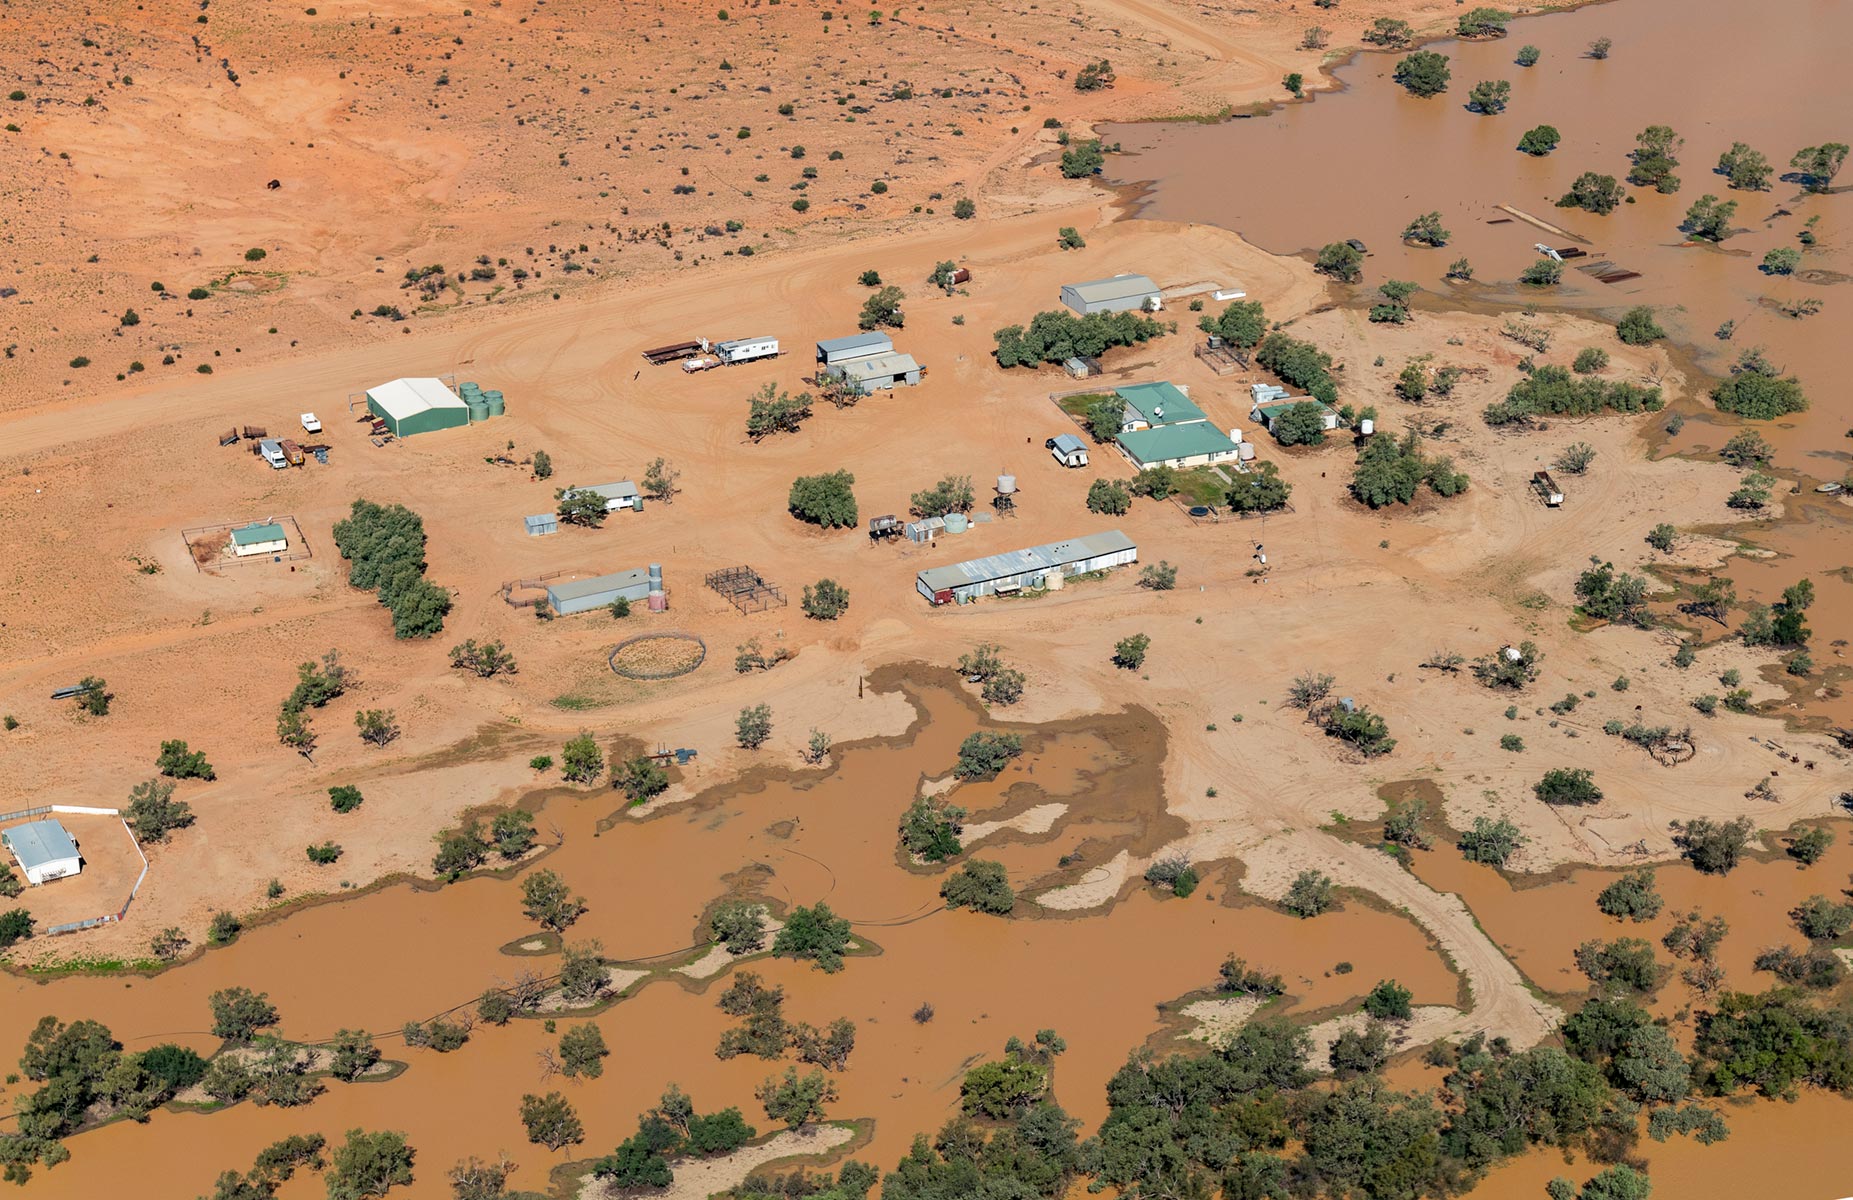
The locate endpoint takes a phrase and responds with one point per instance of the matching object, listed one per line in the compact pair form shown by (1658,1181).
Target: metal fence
(80,810)
(217,535)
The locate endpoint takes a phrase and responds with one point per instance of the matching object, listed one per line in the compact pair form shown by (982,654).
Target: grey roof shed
(584,595)
(38,843)
(1120,293)
(980,576)
(856,345)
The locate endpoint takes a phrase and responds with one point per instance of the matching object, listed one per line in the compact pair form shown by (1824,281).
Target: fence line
(86,811)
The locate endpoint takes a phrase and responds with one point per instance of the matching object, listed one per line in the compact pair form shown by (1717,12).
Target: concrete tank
(1246,452)
(1054,580)
(957,522)
(1367,427)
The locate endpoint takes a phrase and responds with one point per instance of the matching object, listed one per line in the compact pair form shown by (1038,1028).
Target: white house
(619,495)
(259,537)
(44,851)
(1068,450)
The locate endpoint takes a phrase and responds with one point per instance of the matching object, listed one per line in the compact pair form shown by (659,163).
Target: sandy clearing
(719,957)
(1039,819)
(1096,888)
(1427,1024)
(697,1179)
(1218,1020)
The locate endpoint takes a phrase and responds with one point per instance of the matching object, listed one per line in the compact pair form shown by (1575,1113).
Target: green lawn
(1077,406)
(1200,485)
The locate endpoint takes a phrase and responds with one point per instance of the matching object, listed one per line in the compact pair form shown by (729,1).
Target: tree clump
(385,547)
(1056,336)
(827,500)
(980,885)
(1389,471)
(1553,390)
(1758,390)
(1424,73)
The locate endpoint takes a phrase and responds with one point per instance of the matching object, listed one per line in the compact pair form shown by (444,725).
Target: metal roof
(736,343)
(1020,562)
(579,589)
(866,343)
(878,365)
(1162,403)
(541,521)
(1068,443)
(39,842)
(256,531)
(402,398)
(1270,411)
(623,489)
(1118,287)
(1167,442)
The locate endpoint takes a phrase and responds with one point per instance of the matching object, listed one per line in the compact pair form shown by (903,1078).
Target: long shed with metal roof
(1038,566)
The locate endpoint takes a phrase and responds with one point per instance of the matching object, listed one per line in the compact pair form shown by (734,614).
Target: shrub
(983,754)
(828,500)
(344,798)
(1389,1001)
(981,885)
(1632,896)
(1568,785)
(1310,894)
(1491,842)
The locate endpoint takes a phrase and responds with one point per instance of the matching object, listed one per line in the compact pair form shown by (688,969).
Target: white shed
(259,537)
(44,850)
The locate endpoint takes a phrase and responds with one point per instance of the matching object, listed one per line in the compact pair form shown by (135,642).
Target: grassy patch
(1077,406)
(87,966)
(574,702)
(1201,485)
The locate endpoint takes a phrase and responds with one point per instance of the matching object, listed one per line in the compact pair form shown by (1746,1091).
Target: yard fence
(81,810)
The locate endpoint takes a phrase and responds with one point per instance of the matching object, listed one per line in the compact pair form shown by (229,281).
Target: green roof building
(1156,404)
(1194,445)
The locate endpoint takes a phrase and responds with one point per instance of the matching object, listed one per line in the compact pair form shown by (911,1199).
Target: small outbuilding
(1195,444)
(1039,566)
(584,595)
(44,850)
(878,372)
(1069,450)
(1267,414)
(857,345)
(259,538)
(410,406)
(541,524)
(620,495)
(1120,293)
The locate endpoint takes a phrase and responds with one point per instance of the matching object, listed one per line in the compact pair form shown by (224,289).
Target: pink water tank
(659,602)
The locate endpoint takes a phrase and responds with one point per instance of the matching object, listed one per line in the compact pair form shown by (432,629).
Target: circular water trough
(658,655)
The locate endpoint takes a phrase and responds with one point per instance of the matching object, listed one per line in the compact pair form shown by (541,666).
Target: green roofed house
(259,538)
(1149,405)
(1194,445)
(410,406)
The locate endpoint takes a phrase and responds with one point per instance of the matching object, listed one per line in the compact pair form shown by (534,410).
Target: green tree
(930,828)
(1392,33)
(543,465)
(1082,158)
(1389,1001)
(1819,164)
(549,902)
(1303,424)
(377,726)
(1261,490)
(825,601)
(796,1101)
(1489,96)
(951,494)
(583,1051)
(1363,729)
(1713,846)
(93,696)
(551,1121)
(640,779)
(153,813)
(368,1165)
(1481,22)
(1528,56)
(1069,238)
(581,761)
(580,506)
(1709,218)
(883,308)
(964,208)
(1546,272)
(485,660)
(1424,73)
(739,925)
(1632,896)
(1591,192)
(1491,842)
(753,726)
(1745,168)
(1242,325)
(1310,894)
(385,548)
(814,933)
(1539,140)
(828,500)
(984,754)
(177,762)
(1758,390)
(240,1014)
(981,885)
(1108,496)
(1341,261)
(1782,261)
(771,411)
(1568,785)
(352,1055)
(1129,652)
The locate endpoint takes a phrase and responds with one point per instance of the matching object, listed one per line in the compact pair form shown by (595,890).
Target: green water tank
(494,402)
(479,408)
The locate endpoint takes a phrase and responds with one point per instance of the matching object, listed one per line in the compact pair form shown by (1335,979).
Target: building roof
(877,365)
(1270,411)
(1118,287)
(1161,403)
(1167,442)
(39,842)
(1019,562)
(579,589)
(403,398)
(734,343)
(857,343)
(623,489)
(541,520)
(1068,443)
(257,532)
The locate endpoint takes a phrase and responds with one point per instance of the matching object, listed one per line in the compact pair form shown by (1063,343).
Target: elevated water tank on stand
(1005,502)
(1367,426)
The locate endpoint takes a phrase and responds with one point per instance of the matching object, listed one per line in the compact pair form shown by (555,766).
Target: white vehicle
(701,362)
(1547,252)
(311,422)
(272,450)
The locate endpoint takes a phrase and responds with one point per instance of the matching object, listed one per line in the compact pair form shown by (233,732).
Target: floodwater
(1361,163)
(378,960)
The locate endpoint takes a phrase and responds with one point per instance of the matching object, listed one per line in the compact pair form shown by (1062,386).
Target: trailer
(884,527)
(292,453)
(668,354)
(311,423)
(742,350)
(1547,488)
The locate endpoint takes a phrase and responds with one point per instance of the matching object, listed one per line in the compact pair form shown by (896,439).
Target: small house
(410,406)
(259,538)
(1069,450)
(831,351)
(877,372)
(1120,293)
(584,595)
(1149,405)
(1268,413)
(1195,444)
(44,850)
(620,495)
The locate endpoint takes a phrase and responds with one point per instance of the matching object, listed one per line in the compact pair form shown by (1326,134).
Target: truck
(701,362)
(668,354)
(311,423)
(742,350)
(272,452)
(1547,488)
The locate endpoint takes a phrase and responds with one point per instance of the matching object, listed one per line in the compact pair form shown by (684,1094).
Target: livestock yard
(1409,677)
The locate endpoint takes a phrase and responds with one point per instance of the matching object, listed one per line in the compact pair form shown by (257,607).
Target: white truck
(742,350)
(311,423)
(272,452)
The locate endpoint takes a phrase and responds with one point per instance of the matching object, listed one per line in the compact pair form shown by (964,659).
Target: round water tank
(479,409)
(1246,452)
(1006,484)
(957,522)
(494,400)
(1235,435)
(659,602)
(1053,581)
(1367,427)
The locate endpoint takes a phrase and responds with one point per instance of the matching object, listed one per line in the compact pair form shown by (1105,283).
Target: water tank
(957,522)
(1053,580)
(656,577)
(1245,452)
(496,407)
(659,602)
(468,388)
(1006,484)
(479,408)
(1367,426)
(1235,435)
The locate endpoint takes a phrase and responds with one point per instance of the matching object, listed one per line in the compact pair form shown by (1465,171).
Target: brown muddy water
(381,959)
(1362,162)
